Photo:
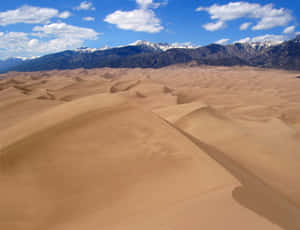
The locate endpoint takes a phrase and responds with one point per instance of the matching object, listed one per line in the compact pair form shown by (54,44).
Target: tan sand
(169,149)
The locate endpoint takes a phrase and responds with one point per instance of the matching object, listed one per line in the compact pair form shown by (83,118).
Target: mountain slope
(285,55)
(9,63)
(149,55)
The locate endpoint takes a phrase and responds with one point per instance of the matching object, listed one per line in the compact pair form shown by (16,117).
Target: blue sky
(39,27)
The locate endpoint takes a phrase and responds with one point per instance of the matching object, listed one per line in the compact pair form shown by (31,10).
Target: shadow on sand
(254,194)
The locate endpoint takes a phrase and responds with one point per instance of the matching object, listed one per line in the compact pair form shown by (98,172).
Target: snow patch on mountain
(163,46)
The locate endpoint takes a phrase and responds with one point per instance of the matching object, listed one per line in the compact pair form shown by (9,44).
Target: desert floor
(150,149)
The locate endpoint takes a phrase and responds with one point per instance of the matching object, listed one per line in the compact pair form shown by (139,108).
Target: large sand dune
(168,149)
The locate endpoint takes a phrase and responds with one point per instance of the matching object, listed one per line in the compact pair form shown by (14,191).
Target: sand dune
(174,148)
(251,145)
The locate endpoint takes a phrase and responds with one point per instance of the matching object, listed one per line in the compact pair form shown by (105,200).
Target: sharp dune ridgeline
(174,148)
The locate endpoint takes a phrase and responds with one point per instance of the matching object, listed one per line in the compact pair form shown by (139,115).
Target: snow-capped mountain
(163,46)
(27,58)
(260,44)
(166,46)
(143,54)
(155,46)
(86,50)
(265,44)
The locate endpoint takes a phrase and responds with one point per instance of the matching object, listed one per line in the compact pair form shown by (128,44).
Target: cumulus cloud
(245,26)
(14,41)
(33,43)
(30,15)
(64,30)
(137,20)
(289,30)
(214,26)
(244,40)
(45,39)
(142,19)
(89,19)
(85,5)
(222,41)
(145,4)
(65,14)
(268,17)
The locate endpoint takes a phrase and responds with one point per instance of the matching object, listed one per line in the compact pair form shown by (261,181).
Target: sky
(37,27)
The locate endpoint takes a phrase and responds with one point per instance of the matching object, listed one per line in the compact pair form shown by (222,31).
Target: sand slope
(100,159)
(176,148)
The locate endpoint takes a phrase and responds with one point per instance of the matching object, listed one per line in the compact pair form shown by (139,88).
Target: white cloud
(289,30)
(88,19)
(33,43)
(271,22)
(137,20)
(244,40)
(142,19)
(85,5)
(64,30)
(145,4)
(51,38)
(245,26)
(28,14)
(13,41)
(222,41)
(268,17)
(214,26)
(65,14)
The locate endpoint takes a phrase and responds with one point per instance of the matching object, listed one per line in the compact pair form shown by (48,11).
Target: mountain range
(10,63)
(143,54)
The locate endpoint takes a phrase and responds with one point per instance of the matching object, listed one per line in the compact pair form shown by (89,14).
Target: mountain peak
(163,46)
(265,44)
(86,49)
(141,42)
(261,44)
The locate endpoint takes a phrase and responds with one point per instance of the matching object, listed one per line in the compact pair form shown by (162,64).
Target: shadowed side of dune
(269,155)
(206,123)
(255,194)
(123,86)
